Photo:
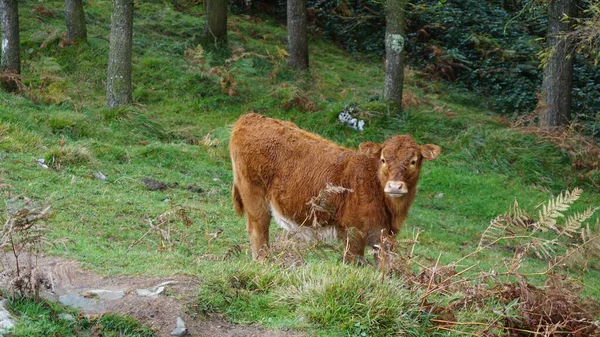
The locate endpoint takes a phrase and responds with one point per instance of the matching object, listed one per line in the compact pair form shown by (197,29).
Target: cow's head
(400,162)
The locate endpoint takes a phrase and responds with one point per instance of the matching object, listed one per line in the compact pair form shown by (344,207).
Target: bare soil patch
(160,312)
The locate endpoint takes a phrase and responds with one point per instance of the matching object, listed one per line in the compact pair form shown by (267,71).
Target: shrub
(68,155)
(70,124)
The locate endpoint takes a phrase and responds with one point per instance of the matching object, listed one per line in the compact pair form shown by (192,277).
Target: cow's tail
(238,205)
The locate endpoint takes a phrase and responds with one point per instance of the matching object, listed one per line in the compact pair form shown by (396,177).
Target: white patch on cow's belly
(306,233)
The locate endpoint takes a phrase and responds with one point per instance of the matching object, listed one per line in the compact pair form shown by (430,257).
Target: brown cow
(281,171)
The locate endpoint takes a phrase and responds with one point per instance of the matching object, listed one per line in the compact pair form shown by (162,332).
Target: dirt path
(138,297)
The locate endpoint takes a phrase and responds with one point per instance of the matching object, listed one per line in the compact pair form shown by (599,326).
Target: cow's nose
(395,188)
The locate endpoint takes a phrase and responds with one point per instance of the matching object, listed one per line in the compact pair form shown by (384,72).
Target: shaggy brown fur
(279,168)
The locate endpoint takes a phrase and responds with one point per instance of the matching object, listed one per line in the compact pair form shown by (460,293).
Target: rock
(179,332)
(107,295)
(100,176)
(181,329)
(6,319)
(77,301)
(150,293)
(41,162)
(154,185)
(195,189)
(67,317)
(361,125)
(346,118)
(155,291)
(439,195)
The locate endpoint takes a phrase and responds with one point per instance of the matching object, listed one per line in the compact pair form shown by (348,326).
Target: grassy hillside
(176,132)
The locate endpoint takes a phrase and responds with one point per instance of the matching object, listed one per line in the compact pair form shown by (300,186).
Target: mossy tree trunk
(395,37)
(555,100)
(215,27)
(10,61)
(118,82)
(297,33)
(75,16)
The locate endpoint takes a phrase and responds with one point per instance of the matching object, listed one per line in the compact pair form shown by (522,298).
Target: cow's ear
(370,148)
(430,151)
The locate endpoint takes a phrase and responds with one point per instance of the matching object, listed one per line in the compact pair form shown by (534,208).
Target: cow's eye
(383,160)
(413,162)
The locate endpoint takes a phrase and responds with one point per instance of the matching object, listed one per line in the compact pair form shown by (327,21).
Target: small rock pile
(6,319)
(347,117)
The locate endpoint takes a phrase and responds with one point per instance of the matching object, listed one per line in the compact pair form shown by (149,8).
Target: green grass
(179,98)
(46,319)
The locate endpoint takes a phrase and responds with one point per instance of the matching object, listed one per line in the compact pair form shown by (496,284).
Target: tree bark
(215,27)
(555,100)
(10,61)
(118,82)
(297,32)
(76,27)
(395,37)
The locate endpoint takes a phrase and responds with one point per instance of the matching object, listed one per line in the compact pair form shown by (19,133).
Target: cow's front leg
(356,242)
(383,252)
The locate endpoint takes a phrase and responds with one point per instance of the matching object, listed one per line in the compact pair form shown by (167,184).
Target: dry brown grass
(409,99)
(23,237)
(551,310)
(555,309)
(165,228)
(12,81)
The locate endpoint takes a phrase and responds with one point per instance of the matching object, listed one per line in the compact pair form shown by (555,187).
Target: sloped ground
(94,295)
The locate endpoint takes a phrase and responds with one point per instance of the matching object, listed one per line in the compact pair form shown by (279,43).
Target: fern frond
(515,223)
(519,218)
(551,211)
(494,232)
(587,232)
(584,253)
(524,235)
(543,249)
(574,222)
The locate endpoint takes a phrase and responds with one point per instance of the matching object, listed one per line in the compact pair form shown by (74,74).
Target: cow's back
(283,164)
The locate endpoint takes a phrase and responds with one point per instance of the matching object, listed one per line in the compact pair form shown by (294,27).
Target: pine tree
(297,33)
(118,82)
(555,100)
(75,16)
(395,36)
(215,27)
(10,61)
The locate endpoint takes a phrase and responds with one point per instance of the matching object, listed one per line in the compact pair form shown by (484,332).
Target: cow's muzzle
(395,189)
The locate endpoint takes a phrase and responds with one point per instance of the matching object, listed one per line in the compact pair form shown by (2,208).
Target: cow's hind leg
(258,219)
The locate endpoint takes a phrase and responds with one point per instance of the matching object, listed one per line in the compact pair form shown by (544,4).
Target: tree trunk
(118,82)
(555,100)
(395,37)
(215,27)
(10,61)
(76,28)
(297,32)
